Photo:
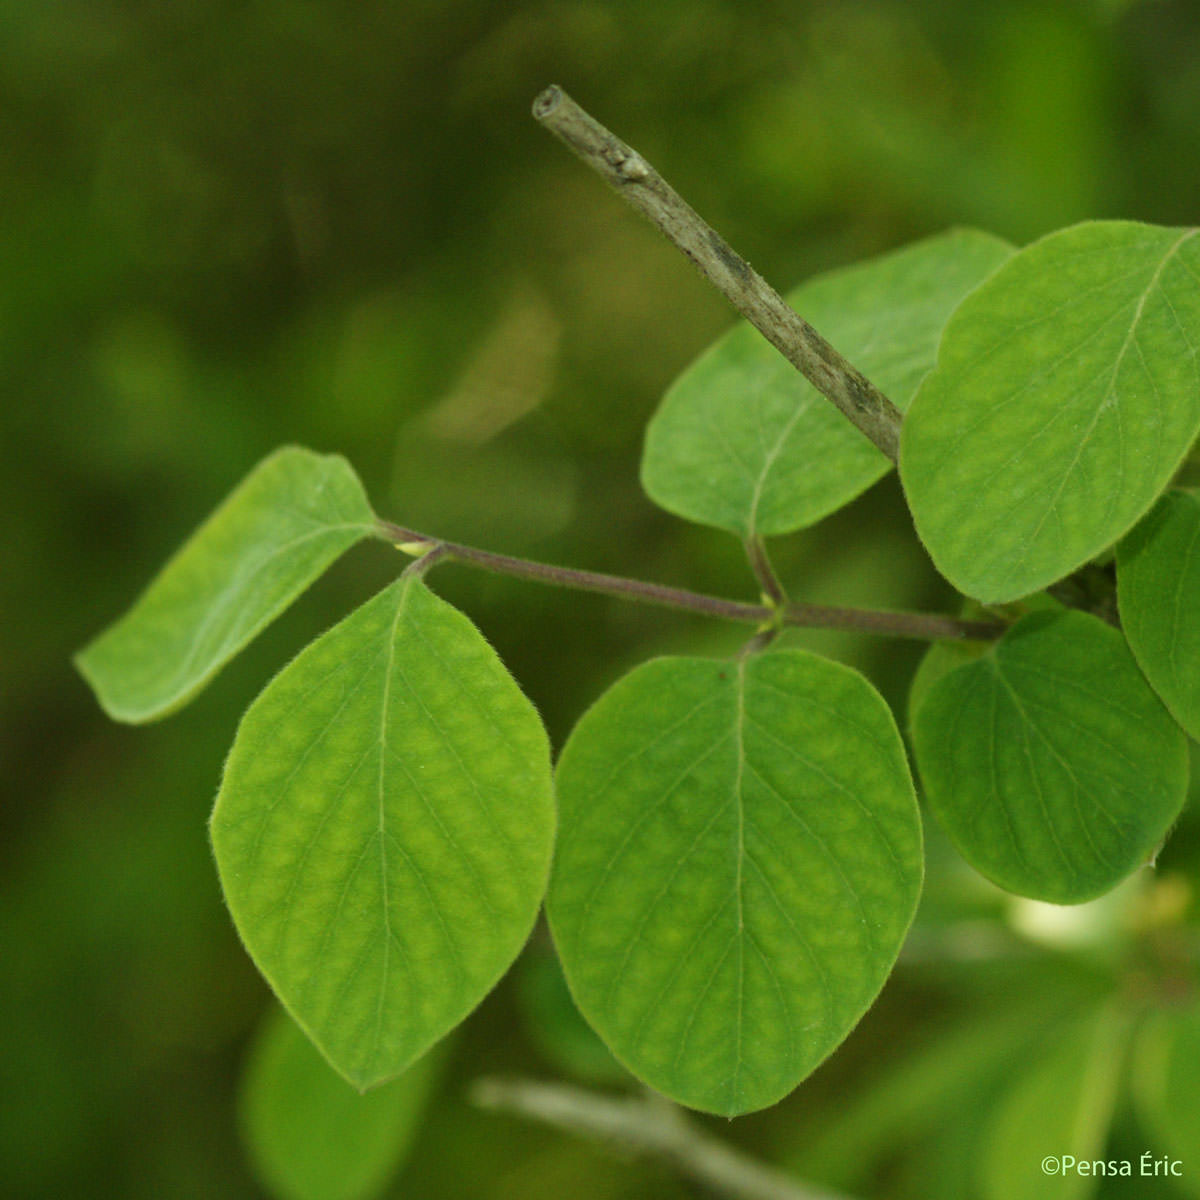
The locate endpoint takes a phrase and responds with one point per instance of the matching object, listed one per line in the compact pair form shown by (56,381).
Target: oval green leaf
(384,828)
(1167,1087)
(309,1134)
(1050,763)
(1061,1107)
(277,532)
(1158,592)
(739,862)
(1066,393)
(744,442)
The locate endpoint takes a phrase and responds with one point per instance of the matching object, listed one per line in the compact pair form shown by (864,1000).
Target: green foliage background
(225,226)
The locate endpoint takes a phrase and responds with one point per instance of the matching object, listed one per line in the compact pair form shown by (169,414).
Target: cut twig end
(547,101)
(623,169)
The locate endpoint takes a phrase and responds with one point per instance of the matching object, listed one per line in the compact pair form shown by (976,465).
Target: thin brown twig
(926,626)
(860,401)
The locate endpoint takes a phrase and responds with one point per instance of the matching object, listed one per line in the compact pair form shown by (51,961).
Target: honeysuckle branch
(862,403)
(646,1125)
(926,626)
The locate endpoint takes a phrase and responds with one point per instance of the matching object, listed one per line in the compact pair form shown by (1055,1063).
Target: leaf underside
(1167,1087)
(274,535)
(1066,393)
(739,861)
(1061,1105)
(384,828)
(1051,764)
(1158,592)
(309,1134)
(743,442)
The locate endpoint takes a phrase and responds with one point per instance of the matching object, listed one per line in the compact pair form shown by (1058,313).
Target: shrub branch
(638,183)
(926,626)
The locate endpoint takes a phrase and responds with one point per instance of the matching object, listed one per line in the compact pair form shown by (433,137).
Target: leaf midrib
(234,587)
(1010,335)
(1110,393)
(385,704)
(740,802)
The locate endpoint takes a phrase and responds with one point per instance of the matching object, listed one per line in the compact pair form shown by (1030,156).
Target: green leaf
(276,533)
(743,442)
(1066,393)
(1060,1107)
(739,862)
(309,1134)
(1158,591)
(1167,1088)
(1050,763)
(384,829)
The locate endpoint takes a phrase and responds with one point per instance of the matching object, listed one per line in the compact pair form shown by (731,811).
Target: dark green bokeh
(228,226)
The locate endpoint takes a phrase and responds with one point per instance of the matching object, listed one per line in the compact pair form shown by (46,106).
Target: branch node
(633,167)
(428,558)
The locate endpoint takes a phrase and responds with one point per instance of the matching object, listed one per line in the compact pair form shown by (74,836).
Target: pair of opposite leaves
(386,819)
(739,854)
(385,824)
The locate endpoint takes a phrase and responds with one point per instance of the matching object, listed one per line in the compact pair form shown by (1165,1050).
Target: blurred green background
(224,226)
